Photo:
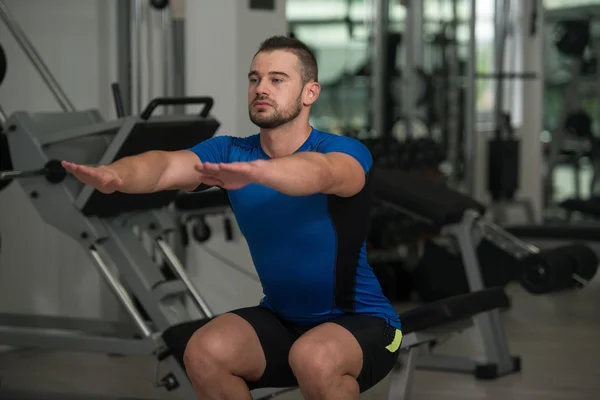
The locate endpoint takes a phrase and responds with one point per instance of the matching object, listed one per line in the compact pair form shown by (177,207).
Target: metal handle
(180,271)
(118,99)
(177,101)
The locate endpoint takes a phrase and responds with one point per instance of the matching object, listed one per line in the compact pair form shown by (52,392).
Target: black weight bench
(456,216)
(457,219)
(421,327)
(421,198)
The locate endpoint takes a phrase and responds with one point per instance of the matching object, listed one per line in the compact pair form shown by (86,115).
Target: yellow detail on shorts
(395,345)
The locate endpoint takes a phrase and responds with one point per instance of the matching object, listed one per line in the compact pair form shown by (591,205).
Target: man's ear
(311,93)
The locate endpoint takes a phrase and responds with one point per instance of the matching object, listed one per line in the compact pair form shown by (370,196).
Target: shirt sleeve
(350,146)
(213,150)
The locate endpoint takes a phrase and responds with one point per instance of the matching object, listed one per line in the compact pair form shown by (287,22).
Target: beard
(277,117)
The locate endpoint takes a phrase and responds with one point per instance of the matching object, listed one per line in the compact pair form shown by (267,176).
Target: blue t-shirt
(309,251)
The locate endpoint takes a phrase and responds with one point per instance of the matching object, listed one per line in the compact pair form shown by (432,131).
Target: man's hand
(230,176)
(103,178)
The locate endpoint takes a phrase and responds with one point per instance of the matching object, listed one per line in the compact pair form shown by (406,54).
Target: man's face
(274,89)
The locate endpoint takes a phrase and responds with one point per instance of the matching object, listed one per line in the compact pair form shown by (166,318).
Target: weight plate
(3,64)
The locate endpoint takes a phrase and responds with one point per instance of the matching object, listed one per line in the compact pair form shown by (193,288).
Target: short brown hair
(308,62)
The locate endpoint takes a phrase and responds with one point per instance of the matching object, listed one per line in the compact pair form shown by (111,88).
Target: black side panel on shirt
(350,217)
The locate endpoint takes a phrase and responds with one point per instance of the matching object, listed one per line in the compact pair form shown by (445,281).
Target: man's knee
(315,361)
(205,355)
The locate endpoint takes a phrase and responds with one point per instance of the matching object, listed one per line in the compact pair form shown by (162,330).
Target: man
(301,198)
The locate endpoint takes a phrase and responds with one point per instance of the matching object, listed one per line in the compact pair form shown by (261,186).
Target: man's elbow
(344,185)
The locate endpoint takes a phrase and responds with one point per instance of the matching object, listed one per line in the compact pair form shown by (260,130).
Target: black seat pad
(423,197)
(590,206)
(432,315)
(453,309)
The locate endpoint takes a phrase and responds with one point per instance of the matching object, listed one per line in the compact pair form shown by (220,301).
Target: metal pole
(138,52)
(167,55)
(3,116)
(124,52)
(178,51)
(380,33)
(470,107)
(500,34)
(180,271)
(37,61)
(453,97)
(408,73)
(118,290)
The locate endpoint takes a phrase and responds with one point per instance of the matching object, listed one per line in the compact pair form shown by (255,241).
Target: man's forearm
(140,173)
(300,174)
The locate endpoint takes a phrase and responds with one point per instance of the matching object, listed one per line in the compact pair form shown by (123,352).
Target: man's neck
(285,140)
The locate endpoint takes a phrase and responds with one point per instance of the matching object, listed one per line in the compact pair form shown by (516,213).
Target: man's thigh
(355,338)
(276,341)
(379,342)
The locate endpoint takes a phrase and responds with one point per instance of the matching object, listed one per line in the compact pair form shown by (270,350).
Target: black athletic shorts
(277,337)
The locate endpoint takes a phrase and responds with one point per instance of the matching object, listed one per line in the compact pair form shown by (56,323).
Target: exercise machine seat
(164,135)
(427,199)
(433,315)
(590,207)
(453,309)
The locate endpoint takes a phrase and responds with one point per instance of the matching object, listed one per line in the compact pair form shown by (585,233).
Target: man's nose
(262,88)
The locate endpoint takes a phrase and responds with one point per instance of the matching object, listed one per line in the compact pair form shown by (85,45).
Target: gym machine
(573,137)
(455,222)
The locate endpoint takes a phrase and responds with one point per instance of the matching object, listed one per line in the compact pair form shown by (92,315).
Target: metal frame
(467,233)
(115,245)
(124,60)
(413,50)
(413,346)
(379,74)
(2,115)
(495,344)
(471,139)
(36,60)
(177,52)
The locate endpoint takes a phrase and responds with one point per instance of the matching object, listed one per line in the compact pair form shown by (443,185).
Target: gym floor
(556,336)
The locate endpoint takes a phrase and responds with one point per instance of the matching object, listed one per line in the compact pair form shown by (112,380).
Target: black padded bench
(449,214)
(418,196)
(421,326)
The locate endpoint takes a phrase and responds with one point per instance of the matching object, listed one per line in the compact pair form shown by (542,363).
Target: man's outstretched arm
(148,172)
(303,174)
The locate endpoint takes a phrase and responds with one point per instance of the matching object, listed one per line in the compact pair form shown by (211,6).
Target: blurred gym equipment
(573,140)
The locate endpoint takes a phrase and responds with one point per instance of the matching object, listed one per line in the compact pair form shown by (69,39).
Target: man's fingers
(209,167)
(238,167)
(212,181)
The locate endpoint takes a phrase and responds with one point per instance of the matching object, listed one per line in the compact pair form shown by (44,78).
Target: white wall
(41,270)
